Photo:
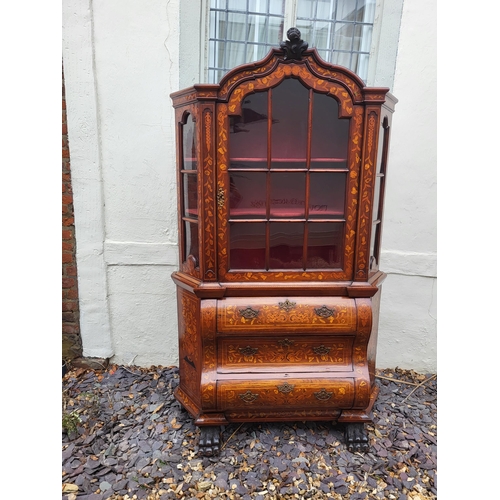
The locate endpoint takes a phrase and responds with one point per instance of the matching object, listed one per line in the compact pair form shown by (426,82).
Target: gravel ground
(126,437)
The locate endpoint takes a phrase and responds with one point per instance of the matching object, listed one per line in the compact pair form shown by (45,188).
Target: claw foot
(209,444)
(356,437)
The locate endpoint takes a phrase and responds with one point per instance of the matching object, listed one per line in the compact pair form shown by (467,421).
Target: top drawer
(291,314)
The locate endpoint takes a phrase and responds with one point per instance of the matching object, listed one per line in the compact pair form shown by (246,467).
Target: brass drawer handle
(324,312)
(248,397)
(286,343)
(321,350)
(323,395)
(286,388)
(248,351)
(249,313)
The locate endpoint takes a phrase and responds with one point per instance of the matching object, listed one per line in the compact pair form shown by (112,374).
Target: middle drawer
(298,353)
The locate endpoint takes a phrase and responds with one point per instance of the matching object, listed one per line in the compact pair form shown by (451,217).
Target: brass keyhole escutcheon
(249,313)
(324,312)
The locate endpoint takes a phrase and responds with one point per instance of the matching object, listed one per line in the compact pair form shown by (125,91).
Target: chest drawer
(299,353)
(279,314)
(290,393)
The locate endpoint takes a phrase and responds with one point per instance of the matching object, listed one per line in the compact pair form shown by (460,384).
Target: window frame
(194,35)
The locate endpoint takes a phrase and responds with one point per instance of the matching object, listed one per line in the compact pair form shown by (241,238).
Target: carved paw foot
(356,437)
(209,444)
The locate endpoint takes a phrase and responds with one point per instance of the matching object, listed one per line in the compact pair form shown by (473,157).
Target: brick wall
(71,340)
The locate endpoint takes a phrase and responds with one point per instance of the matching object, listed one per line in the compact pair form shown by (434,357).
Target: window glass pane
(306,8)
(248,132)
(324,243)
(256,51)
(277,7)
(247,196)
(275,32)
(329,132)
(327,195)
(350,10)
(306,30)
(257,5)
(322,34)
(189,145)
(237,26)
(236,4)
(286,245)
(218,25)
(325,9)
(289,116)
(190,192)
(191,241)
(217,4)
(341,58)
(288,194)
(343,36)
(257,28)
(247,245)
(234,53)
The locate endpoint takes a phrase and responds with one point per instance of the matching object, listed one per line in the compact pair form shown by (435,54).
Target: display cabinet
(281,174)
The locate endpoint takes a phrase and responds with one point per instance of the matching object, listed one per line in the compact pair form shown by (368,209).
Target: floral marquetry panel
(294,353)
(271,314)
(290,393)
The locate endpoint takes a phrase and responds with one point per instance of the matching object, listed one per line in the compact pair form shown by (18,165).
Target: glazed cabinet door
(287,185)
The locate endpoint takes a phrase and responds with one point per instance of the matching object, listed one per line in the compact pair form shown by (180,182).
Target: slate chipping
(135,441)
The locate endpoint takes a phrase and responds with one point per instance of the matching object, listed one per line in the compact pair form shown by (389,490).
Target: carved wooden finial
(294,46)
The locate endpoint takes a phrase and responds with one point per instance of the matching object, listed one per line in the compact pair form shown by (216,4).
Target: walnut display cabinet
(281,174)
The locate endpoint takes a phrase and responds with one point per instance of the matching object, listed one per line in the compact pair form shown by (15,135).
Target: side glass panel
(189,145)
(190,194)
(191,240)
(189,190)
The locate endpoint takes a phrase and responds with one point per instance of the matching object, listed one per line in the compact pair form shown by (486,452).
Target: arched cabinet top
(314,72)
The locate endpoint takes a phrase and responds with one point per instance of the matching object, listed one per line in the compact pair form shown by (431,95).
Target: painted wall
(407,334)
(121,61)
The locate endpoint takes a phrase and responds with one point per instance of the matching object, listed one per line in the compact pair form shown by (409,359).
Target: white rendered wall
(121,62)
(407,333)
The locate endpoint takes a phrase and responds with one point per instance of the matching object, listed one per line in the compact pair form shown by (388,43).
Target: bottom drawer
(279,393)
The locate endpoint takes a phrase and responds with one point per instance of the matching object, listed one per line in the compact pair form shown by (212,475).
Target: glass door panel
(247,195)
(327,195)
(290,103)
(248,245)
(248,132)
(286,245)
(324,245)
(288,195)
(330,133)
